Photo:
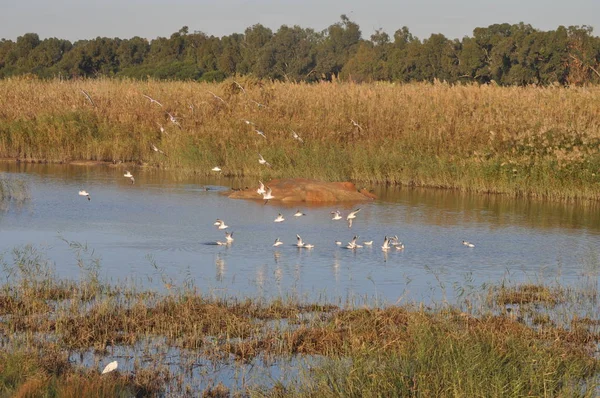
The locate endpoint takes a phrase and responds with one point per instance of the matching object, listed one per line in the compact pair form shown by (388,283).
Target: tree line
(505,54)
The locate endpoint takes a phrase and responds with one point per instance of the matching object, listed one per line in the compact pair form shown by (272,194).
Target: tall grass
(520,141)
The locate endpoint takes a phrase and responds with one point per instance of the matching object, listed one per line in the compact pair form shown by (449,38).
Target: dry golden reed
(524,141)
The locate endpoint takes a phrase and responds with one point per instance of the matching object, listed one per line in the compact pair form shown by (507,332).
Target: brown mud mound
(304,190)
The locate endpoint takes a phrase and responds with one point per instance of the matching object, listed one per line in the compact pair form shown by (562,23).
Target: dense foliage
(502,53)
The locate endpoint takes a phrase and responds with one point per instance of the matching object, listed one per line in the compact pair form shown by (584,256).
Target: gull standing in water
(221,224)
(277,242)
(279,218)
(85,193)
(262,160)
(298,213)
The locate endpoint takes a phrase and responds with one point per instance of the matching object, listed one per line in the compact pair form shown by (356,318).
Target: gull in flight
(221,224)
(468,244)
(88,97)
(277,242)
(298,213)
(279,218)
(262,160)
(336,215)
(110,367)
(216,168)
(268,195)
(296,136)
(130,176)
(174,120)
(261,189)
(352,214)
(152,100)
(261,133)
(356,124)
(229,237)
(85,193)
(248,122)
(217,97)
(155,149)
(161,128)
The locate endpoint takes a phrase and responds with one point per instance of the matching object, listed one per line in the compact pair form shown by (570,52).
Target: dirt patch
(305,190)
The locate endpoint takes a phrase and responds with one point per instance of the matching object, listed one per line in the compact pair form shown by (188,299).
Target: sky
(75,19)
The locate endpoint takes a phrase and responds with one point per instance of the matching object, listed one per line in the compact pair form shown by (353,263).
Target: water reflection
(169,218)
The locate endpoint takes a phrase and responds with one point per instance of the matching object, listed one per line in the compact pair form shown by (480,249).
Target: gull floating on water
(85,193)
(468,244)
(298,213)
(386,244)
(338,242)
(277,242)
(152,100)
(262,160)
(261,189)
(300,242)
(221,224)
(110,367)
(368,243)
(279,218)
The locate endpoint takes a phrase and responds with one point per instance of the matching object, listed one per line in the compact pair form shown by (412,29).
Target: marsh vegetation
(501,340)
(521,141)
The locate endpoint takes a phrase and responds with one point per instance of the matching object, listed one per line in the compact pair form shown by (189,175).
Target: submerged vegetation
(163,340)
(531,141)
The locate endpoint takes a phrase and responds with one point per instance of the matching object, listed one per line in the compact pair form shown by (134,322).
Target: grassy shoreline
(532,141)
(524,339)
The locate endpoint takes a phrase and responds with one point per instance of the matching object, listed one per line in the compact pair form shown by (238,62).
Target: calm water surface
(161,230)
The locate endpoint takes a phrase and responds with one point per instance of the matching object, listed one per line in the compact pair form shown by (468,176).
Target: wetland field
(135,274)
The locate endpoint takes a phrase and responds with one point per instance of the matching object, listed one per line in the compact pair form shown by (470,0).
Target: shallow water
(160,231)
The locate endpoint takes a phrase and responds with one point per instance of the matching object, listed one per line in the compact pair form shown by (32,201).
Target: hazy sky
(81,19)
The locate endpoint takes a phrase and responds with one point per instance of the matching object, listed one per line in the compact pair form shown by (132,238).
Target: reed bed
(522,141)
(389,350)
